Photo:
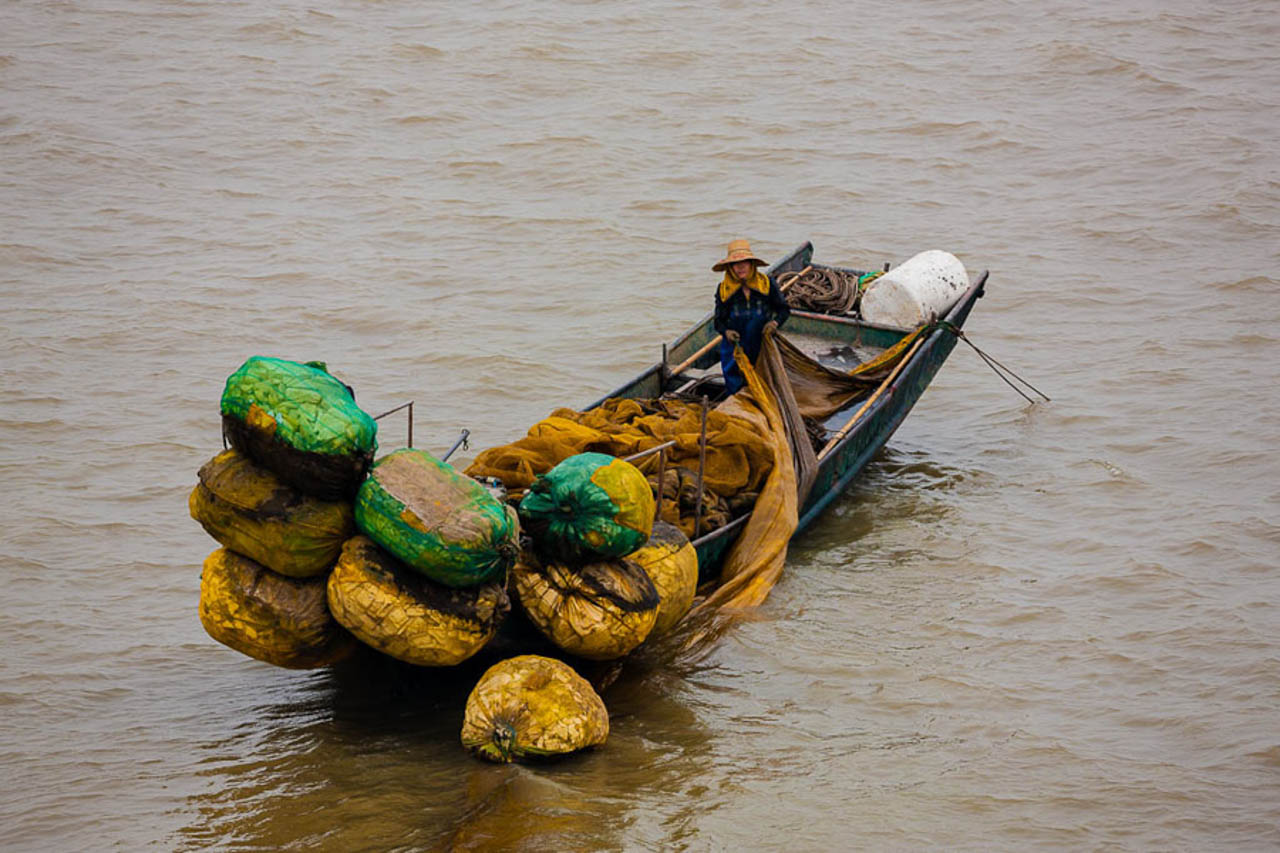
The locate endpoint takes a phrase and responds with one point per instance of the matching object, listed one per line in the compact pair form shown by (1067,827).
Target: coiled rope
(828,291)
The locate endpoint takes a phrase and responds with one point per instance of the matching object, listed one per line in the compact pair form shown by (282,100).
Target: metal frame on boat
(840,463)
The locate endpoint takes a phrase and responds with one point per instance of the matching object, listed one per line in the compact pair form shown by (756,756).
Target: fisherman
(748,303)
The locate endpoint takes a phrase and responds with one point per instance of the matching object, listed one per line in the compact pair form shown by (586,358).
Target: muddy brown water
(1025,627)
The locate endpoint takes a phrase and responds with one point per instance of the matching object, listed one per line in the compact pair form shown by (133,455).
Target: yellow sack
(280,620)
(251,511)
(600,611)
(532,707)
(671,562)
(405,614)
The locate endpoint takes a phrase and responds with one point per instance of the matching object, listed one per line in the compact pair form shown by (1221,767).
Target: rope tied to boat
(996,367)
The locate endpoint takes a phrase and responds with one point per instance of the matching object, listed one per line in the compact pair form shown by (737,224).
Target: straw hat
(739,250)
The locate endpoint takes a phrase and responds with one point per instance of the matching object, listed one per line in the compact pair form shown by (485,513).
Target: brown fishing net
(738,457)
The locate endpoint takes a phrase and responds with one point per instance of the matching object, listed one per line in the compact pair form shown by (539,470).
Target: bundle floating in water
(301,423)
(589,506)
(531,707)
(283,621)
(439,522)
(671,562)
(600,610)
(250,510)
(408,616)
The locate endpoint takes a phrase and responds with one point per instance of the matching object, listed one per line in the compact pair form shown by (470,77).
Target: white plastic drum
(905,296)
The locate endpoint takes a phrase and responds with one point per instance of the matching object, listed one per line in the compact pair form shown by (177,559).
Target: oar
(711,344)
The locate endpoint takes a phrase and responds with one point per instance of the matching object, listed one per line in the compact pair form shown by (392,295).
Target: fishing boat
(854,432)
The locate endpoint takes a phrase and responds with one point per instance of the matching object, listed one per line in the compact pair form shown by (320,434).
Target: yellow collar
(729,286)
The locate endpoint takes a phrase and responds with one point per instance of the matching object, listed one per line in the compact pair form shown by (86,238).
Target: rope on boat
(998,368)
(827,291)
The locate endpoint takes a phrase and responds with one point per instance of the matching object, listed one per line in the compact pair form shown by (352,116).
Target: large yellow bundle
(600,610)
(532,707)
(671,562)
(280,620)
(407,615)
(251,511)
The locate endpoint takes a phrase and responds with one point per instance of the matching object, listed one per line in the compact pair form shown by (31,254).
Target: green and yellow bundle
(591,505)
(301,423)
(437,521)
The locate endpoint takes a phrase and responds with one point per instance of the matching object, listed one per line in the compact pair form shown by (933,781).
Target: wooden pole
(662,484)
(702,467)
(711,344)
(883,385)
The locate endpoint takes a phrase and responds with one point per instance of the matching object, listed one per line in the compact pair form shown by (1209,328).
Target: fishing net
(251,511)
(407,616)
(532,707)
(301,423)
(738,458)
(440,523)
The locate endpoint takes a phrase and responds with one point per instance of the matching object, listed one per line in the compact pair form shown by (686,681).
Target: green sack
(437,521)
(250,510)
(301,423)
(589,506)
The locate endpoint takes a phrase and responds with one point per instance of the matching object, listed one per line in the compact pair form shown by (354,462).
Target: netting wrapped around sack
(532,707)
(671,562)
(407,616)
(437,521)
(600,610)
(301,423)
(279,620)
(251,511)
(589,506)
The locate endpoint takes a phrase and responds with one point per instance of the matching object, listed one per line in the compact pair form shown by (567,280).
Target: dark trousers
(750,329)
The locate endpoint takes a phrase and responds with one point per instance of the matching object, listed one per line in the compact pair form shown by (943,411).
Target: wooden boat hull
(847,459)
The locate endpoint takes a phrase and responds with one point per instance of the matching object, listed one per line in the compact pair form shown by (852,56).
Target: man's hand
(731,336)
(771,326)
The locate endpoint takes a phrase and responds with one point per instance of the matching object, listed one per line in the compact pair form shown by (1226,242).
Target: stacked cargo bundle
(324,549)
(594,580)
(428,584)
(279,503)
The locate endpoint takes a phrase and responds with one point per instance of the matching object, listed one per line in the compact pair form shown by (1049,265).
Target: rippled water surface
(1024,627)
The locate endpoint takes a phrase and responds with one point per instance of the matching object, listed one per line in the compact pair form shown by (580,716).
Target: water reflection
(368,757)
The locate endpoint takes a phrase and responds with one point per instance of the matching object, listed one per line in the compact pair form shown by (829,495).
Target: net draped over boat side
(754,562)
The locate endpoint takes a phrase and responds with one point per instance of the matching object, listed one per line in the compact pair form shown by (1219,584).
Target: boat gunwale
(954,316)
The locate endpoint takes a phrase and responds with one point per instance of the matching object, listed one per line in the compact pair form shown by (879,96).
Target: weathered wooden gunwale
(847,459)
